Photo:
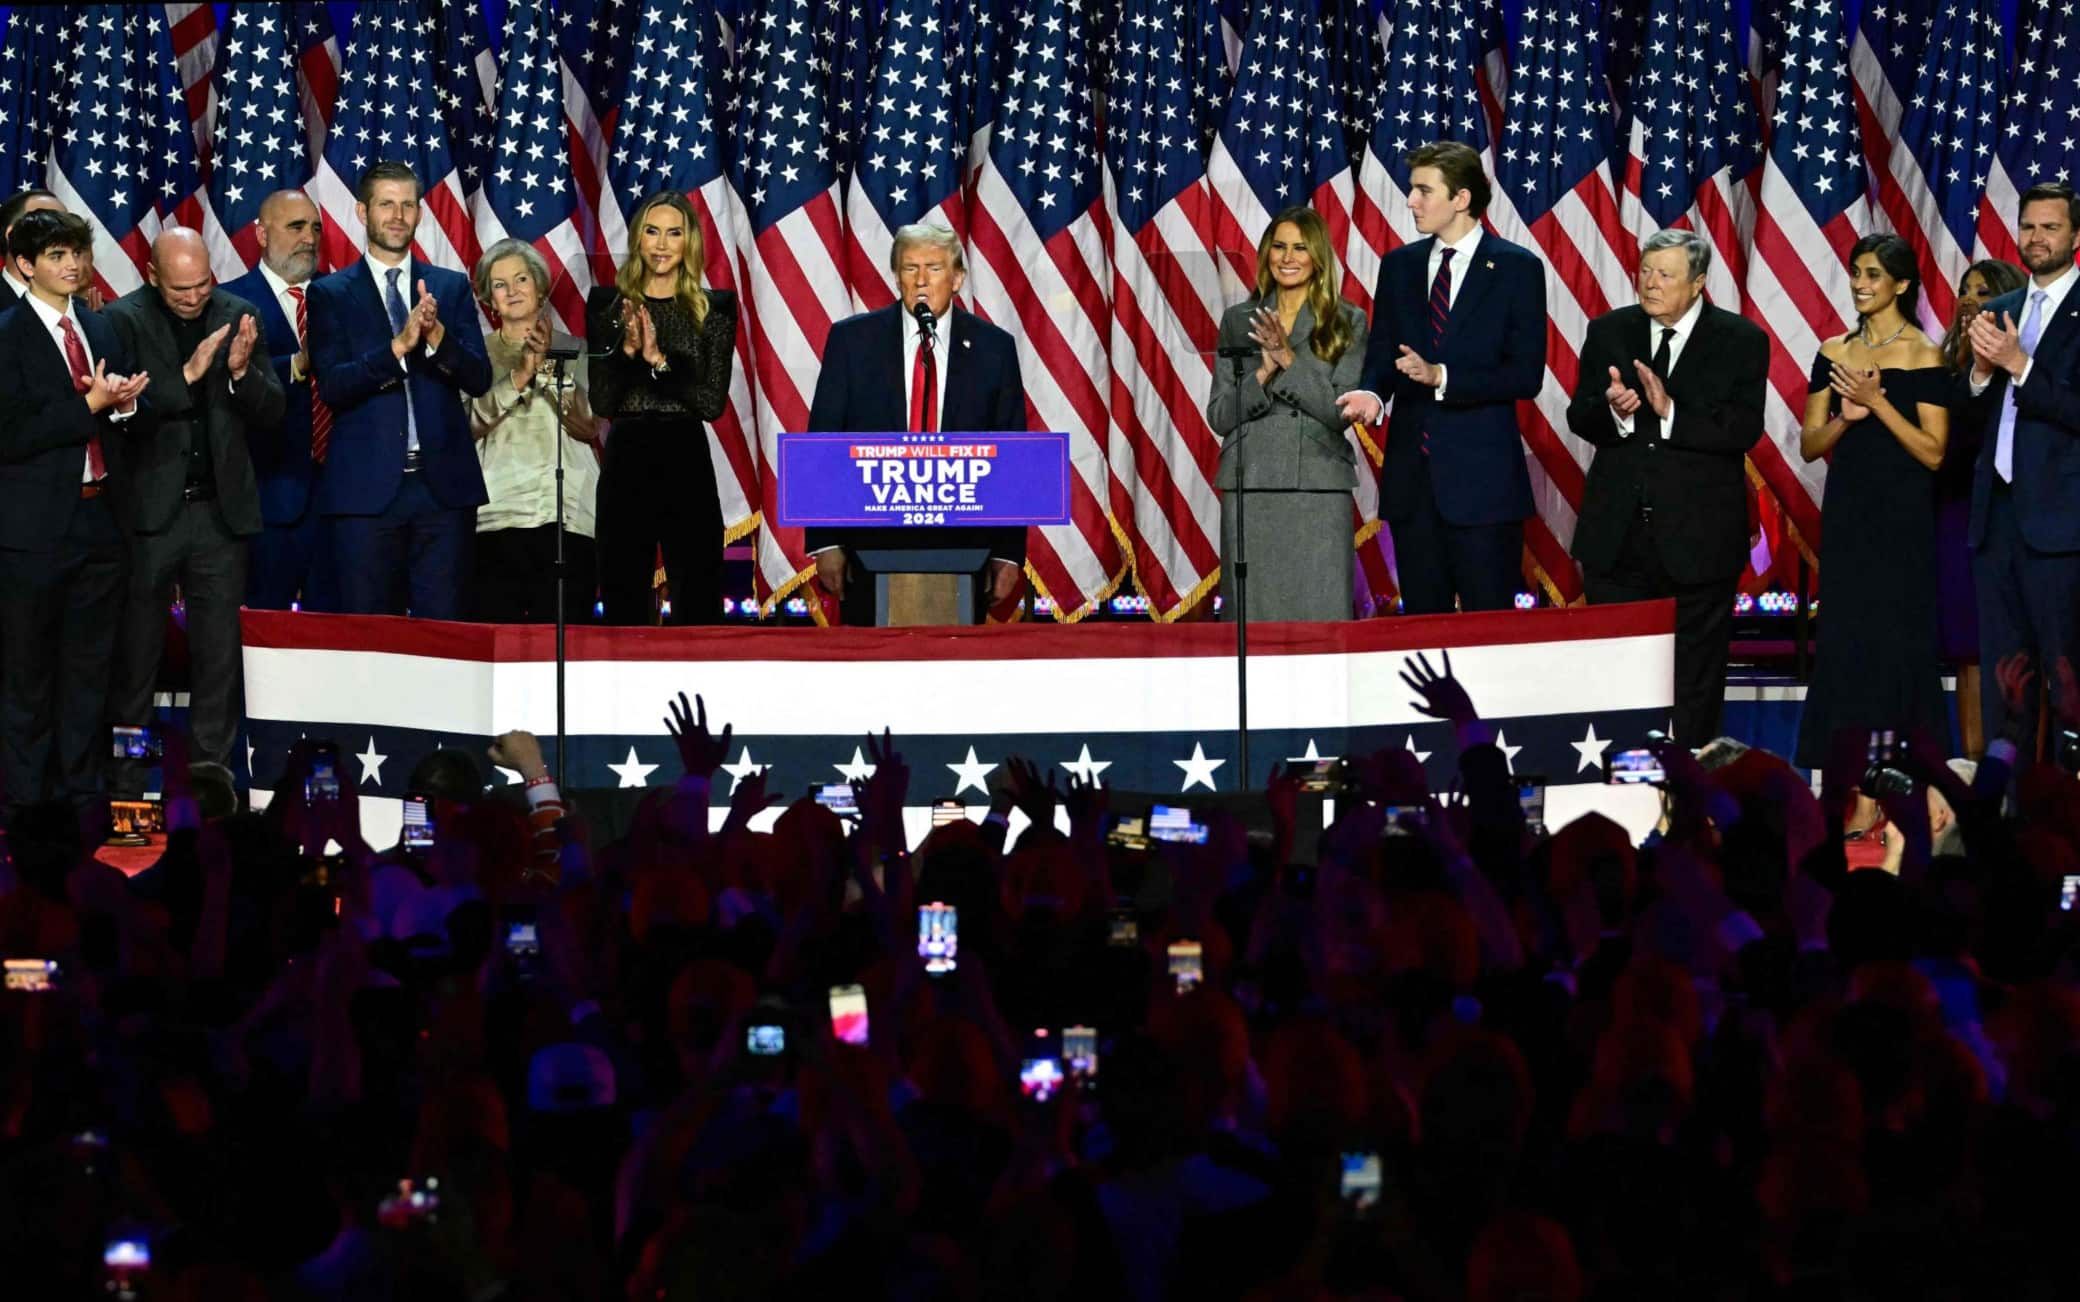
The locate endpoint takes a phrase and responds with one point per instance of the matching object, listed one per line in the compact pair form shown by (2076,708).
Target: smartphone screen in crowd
(1080,1054)
(1174,823)
(938,937)
(1040,1074)
(765,1039)
(418,824)
(323,783)
(138,743)
(1635,767)
(839,798)
(1531,798)
(32,976)
(849,1014)
(1187,964)
(1360,1185)
(948,812)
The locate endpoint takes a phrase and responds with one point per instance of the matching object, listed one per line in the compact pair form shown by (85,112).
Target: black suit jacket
(45,425)
(157,467)
(1696,478)
(860,391)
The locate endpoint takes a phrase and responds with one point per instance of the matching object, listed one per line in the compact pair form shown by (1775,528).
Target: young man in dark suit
(395,345)
(1458,338)
(882,372)
(188,500)
(288,561)
(22,202)
(1671,394)
(69,403)
(2024,391)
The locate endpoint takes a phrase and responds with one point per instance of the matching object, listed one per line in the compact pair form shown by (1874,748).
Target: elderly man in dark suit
(68,406)
(289,560)
(188,502)
(1671,393)
(1458,337)
(2024,391)
(885,371)
(395,345)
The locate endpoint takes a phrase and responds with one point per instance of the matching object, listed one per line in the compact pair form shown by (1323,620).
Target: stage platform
(1144,707)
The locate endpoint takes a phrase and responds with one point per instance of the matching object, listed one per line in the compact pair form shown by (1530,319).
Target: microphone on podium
(927,320)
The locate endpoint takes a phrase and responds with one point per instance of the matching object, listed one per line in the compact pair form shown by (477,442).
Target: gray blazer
(157,467)
(1288,432)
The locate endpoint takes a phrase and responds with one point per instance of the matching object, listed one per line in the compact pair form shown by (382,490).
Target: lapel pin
(1490,265)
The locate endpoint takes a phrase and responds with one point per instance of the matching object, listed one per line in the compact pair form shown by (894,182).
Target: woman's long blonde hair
(1332,331)
(633,278)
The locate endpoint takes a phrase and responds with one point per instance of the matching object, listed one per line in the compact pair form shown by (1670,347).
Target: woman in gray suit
(1283,445)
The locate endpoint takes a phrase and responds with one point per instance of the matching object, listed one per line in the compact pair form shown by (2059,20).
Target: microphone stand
(560,356)
(1239,355)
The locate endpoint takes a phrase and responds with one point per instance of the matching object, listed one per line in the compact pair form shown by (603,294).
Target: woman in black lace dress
(662,348)
(1878,405)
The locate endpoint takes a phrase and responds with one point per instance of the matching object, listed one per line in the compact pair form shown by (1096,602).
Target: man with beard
(2025,391)
(288,561)
(395,345)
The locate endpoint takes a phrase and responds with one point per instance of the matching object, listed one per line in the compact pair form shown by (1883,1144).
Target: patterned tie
(393,302)
(924,385)
(2004,444)
(1440,301)
(83,380)
(321,415)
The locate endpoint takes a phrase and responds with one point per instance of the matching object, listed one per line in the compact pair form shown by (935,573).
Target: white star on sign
(857,771)
(633,772)
(1086,768)
(1312,756)
(743,768)
(1198,768)
(1590,750)
(1509,752)
(972,773)
(371,763)
(1420,755)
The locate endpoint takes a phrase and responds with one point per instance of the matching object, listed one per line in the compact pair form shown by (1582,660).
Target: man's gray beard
(295,270)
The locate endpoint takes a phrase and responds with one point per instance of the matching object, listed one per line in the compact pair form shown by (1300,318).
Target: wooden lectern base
(915,600)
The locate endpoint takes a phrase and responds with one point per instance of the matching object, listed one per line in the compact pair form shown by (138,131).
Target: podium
(919,586)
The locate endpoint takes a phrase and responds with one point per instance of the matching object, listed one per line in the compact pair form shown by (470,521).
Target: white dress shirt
(408,292)
(942,362)
(1685,325)
(1462,258)
(51,317)
(2054,295)
(286,301)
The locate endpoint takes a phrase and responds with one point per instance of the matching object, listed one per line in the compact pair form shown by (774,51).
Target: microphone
(927,320)
(1240,350)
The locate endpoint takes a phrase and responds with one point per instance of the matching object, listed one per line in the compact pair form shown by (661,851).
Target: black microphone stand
(1239,355)
(560,356)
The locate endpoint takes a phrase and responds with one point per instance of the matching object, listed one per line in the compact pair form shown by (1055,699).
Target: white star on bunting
(1198,769)
(971,773)
(371,764)
(632,771)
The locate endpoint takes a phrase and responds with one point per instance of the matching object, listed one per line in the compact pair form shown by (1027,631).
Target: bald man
(189,501)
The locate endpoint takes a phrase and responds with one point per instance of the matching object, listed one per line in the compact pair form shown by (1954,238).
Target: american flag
(193,30)
(528,192)
(2038,139)
(1166,306)
(1931,80)
(388,109)
(786,169)
(1210,66)
(1037,253)
(911,150)
(1554,196)
(1354,40)
(595,39)
(33,60)
(260,140)
(125,158)
(662,141)
(987,28)
(465,82)
(1810,210)
(848,35)
(317,66)
(1624,25)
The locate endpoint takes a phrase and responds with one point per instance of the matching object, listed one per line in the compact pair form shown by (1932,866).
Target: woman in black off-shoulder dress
(1878,404)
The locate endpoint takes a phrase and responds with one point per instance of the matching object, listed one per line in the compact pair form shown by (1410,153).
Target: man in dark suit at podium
(1458,337)
(883,372)
(290,559)
(1671,393)
(395,344)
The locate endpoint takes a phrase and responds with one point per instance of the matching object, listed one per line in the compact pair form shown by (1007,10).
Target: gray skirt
(1300,554)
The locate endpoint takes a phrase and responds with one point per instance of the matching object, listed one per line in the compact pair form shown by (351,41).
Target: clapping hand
(105,390)
(532,350)
(242,342)
(1654,391)
(1997,345)
(1411,364)
(428,311)
(1859,389)
(205,352)
(1269,335)
(1624,400)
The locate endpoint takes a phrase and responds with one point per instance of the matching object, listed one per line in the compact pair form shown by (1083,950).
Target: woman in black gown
(1878,405)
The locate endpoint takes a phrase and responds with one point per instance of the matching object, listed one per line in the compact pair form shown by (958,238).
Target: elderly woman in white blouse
(514,579)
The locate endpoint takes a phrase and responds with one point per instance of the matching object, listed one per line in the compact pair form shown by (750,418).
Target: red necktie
(924,387)
(321,415)
(83,380)
(1440,314)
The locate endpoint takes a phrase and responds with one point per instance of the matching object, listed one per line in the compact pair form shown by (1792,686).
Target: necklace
(1865,332)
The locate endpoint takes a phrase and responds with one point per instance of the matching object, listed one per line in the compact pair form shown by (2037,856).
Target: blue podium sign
(901,479)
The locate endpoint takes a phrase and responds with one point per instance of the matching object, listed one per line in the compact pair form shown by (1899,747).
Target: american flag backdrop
(1110,166)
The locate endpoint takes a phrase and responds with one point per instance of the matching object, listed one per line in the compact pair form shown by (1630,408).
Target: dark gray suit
(189,529)
(1297,469)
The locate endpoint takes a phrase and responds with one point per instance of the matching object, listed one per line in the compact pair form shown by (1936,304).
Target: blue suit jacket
(364,384)
(2047,432)
(281,453)
(860,391)
(1494,353)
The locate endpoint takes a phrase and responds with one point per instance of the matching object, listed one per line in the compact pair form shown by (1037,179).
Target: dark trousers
(2028,601)
(292,564)
(1704,626)
(657,490)
(208,562)
(513,580)
(411,558)
(58,614)
(1445,566)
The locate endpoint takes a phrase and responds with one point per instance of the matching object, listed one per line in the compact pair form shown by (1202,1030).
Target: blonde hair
(1332,332)
(632,278)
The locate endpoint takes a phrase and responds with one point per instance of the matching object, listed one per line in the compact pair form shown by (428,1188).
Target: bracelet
(1000,819)
(545,779)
